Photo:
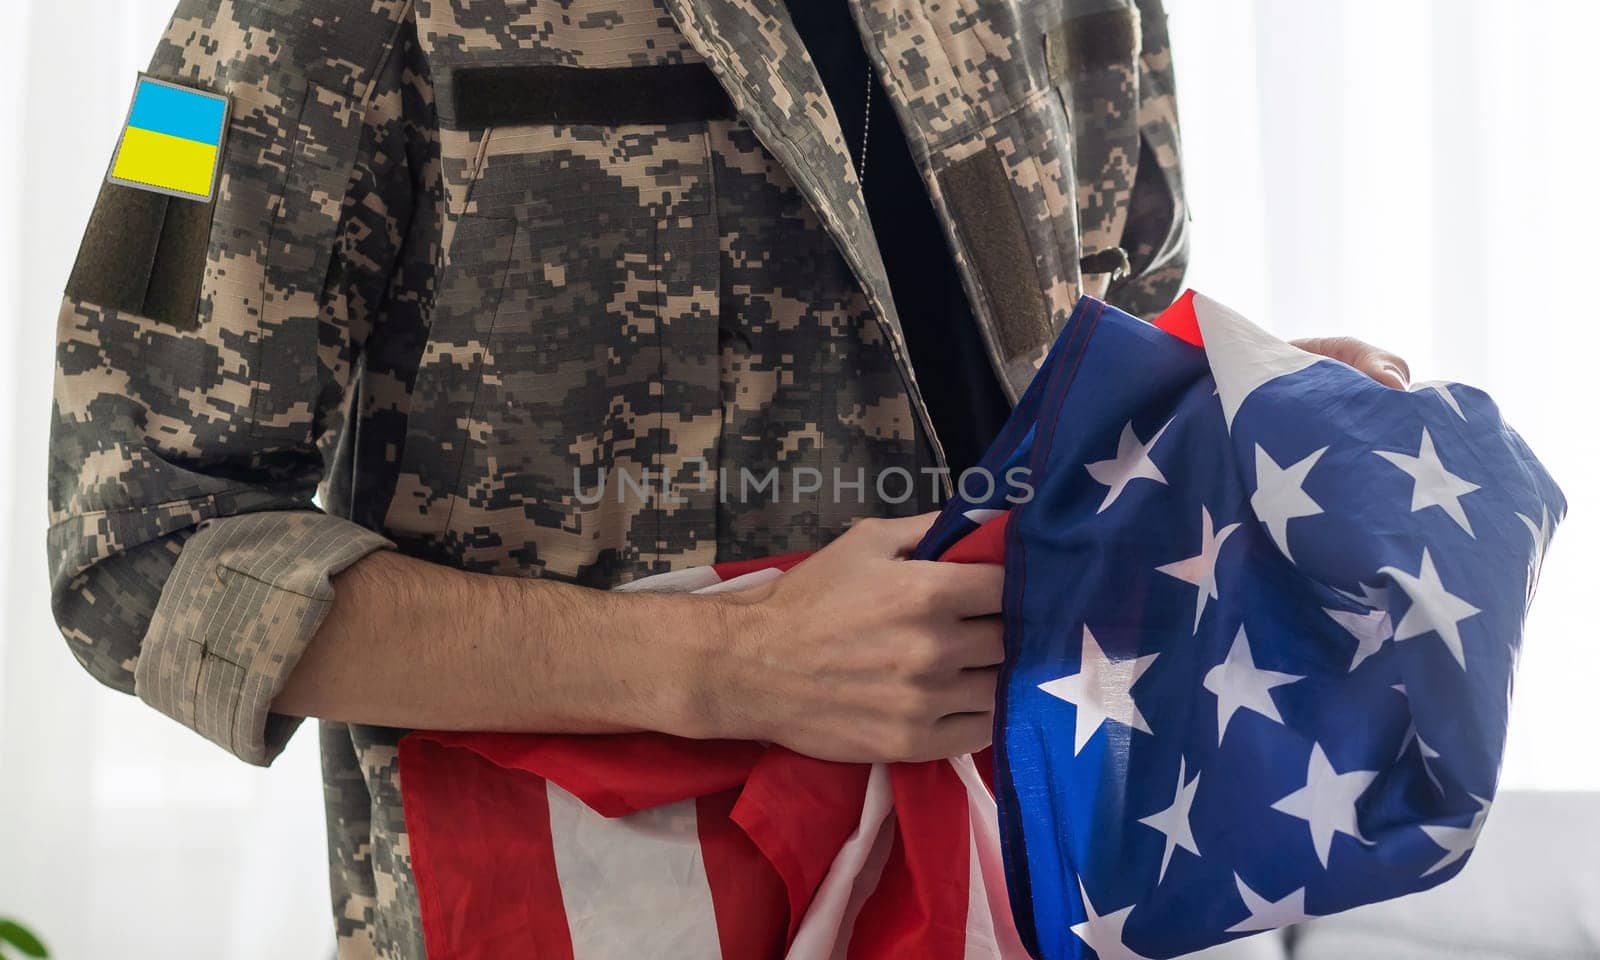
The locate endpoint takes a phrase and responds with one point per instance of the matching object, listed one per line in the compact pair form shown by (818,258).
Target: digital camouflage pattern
(451,335)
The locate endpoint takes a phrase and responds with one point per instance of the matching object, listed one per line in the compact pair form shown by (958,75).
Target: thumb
(1387,368)
(897,536)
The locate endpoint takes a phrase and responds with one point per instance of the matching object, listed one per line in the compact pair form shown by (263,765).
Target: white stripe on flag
(687,580)
(825,931)
(991,931)
(743,581)
(981,941)
(634,886)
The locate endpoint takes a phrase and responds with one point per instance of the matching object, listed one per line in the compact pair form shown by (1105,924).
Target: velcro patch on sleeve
(145,248)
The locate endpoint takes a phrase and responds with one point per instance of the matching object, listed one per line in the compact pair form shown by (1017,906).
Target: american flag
(1262,620)
(1262,617)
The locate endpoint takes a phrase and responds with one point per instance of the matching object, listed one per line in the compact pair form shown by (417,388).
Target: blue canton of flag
(1262,618)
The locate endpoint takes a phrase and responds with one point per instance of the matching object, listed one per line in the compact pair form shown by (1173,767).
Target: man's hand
(858,654)
(1375,362)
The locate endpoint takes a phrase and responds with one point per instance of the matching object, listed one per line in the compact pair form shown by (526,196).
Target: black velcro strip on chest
(1094,41)
(504,96)
(989,219)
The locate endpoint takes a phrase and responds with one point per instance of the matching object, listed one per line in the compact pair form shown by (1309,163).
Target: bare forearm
(856,654)
(414,644)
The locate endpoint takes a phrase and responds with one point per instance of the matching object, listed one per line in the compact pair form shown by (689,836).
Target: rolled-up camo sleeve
(241,603)
(204,365)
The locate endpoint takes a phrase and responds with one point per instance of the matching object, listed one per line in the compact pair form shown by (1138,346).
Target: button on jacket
(532,289)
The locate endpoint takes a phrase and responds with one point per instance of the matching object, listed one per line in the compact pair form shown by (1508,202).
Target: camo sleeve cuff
(246,596)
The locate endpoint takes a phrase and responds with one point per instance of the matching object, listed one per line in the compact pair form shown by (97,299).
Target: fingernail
(1394,373)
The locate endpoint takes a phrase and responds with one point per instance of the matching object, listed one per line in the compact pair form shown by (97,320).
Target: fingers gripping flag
(1262,616)
(1261,620)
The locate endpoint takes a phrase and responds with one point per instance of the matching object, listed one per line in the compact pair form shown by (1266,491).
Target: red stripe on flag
(799,811)
(494,892)
(987,544)
(920,906)
(1180,321)
(738,568)
(617,774)
(749,898)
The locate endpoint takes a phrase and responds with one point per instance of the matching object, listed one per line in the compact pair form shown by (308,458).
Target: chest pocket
(568,397)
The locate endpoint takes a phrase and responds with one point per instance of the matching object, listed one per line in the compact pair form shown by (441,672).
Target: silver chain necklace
(866,127)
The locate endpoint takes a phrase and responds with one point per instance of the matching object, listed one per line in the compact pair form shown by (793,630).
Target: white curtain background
(122,835)
(1413,172)
(1422,174)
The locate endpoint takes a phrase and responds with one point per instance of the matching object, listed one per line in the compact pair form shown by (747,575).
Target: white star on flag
(1371,628)
(1101,690)
(1431,484)
(1173,822)
(1269,914)
(1433,608)
(1131,463)
(1541,542)
(1243,357)
(1201,569)
(1327,803)
(1240,685)
(1373,598)
(1280,494)
(1456,841)
(1427,752)
(1442,388)
(1104,933)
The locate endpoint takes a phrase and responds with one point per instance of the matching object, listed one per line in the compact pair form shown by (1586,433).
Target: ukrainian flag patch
(172,140)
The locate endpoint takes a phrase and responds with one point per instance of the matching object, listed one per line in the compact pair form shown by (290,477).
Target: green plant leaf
(22,938)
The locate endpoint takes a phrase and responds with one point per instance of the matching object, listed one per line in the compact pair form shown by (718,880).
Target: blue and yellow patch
(172,140)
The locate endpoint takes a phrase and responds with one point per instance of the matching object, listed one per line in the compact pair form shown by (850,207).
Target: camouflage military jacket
(467,261)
